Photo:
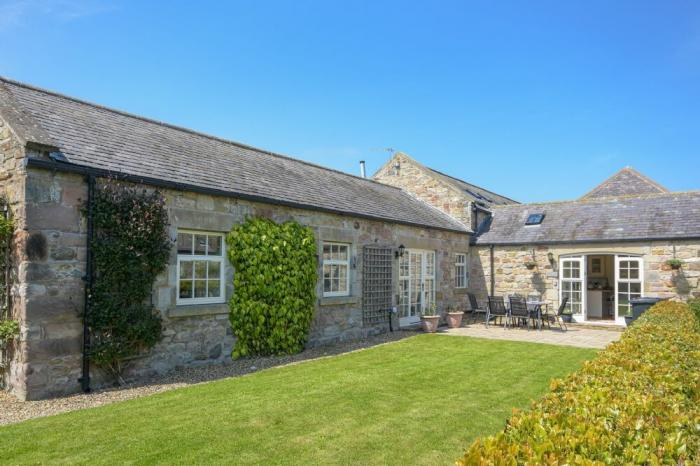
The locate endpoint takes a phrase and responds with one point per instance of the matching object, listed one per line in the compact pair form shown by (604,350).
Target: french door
(629,279)
(572,277)
(416,284)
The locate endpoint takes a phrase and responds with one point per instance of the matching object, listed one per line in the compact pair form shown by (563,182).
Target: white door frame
(425,296)
(581,260)
(617,257)
(640,263)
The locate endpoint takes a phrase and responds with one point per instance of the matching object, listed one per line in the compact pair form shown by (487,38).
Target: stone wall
(418,181)
(12,183)
(194,334)
(512,276)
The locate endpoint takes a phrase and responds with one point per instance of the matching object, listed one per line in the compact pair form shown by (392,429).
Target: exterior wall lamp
(400,251)
(550,257)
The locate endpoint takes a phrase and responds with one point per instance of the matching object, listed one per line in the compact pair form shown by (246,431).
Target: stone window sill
(338,300)
(195,310)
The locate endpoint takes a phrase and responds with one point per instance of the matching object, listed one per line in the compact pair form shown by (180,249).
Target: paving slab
(580,337)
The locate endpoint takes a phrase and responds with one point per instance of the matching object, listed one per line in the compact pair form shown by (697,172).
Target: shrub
(635,403)
(695,307)
(130,247)
(274,286)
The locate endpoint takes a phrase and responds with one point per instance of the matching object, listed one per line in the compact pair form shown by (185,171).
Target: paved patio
(575,336)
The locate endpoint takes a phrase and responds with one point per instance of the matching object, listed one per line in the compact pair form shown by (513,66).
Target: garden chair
(556,318)
(519,313)
(497,308)
(475,310)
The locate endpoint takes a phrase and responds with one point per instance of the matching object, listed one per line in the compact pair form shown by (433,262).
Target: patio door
(572,279)
(416,284)
(629,284)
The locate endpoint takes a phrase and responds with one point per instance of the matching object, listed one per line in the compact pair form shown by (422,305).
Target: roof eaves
(168,184)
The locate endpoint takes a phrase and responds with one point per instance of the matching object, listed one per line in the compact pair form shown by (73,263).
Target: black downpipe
(89,274)
(493,272)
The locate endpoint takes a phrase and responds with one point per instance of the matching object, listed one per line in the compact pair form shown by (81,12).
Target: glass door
(416,284)
(628,284)
(572,277)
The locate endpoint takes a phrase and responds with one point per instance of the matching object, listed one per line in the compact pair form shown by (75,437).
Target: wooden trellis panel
(377,285)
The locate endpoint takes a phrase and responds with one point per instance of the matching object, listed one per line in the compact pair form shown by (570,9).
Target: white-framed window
(461,270)
(200,267)
(336,269)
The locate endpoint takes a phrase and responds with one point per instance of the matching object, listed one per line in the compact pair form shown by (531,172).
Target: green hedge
(274,285)
(637,402)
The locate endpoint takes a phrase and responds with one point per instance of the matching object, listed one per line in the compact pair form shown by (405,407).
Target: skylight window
(534,219)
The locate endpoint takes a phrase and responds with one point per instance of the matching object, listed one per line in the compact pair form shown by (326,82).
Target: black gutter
(588,241)
(160,183)
(89,275)
(493,272)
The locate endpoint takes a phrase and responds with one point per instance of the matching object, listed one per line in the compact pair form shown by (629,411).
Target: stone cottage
(611,245)
(379,248)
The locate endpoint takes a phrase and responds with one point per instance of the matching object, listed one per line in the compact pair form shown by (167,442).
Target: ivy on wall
(130,247)
(274,286)
(9,329)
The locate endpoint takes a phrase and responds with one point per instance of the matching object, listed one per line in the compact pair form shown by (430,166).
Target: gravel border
(12,410)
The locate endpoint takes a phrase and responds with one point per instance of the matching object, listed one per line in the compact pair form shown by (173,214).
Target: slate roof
(93,136)
(627,181)
(481,196)
(626,218)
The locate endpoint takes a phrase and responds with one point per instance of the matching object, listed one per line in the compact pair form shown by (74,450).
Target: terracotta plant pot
(430,323)
(454,319)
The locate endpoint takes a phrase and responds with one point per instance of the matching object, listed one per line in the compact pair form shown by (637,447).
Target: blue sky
(537,100)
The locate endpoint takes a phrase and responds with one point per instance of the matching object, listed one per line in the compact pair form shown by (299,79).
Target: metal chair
(556,318)
(497,308)
(519,311)
(475,310)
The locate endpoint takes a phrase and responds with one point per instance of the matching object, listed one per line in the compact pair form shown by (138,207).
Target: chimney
(362,169)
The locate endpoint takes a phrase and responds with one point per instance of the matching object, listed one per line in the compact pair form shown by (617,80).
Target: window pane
(326,285)
(567,273)
(214,248)
(200,244)
(326,251)
(635,288)
(634,274)
(214,288)
(335,274)
(214,269)
(343,277)
(326,271)
(185,288)
(342,284)
(184,243)
(200,269)
(200,288)
(342,253)
(185,269)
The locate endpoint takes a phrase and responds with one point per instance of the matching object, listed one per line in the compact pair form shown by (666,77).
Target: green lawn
(417,401)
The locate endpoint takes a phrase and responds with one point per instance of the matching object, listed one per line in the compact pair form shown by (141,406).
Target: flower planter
(454,319)
(566,318)
(430,323)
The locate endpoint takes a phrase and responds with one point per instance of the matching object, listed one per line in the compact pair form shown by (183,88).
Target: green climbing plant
(274,286)
(130,247)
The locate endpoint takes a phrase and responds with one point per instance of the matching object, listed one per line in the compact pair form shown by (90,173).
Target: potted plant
(454,317)
(430,319)
(531,264)
(675,264)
